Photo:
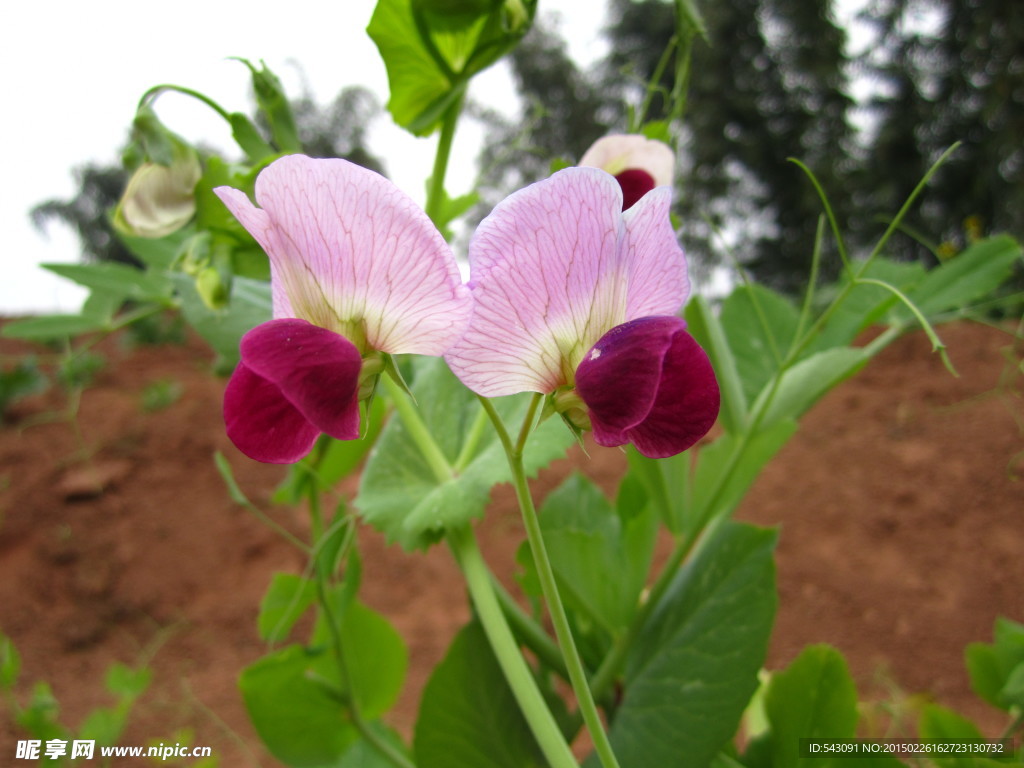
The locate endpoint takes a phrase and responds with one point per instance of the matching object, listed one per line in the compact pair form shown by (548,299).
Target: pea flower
(357,269)
(575,298)
(639,164)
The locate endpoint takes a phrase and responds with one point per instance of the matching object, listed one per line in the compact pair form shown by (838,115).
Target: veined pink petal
(553,268)
(295,381)
(619,152)
(548,280)
(649,383)
(658,283)
(351,252)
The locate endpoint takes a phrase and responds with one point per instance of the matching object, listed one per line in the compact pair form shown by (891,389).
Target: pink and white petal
(350,247)
(260,226)
(262,423)
(658,282)
(618,379)
(547,280)
(686,405)
(619,152)
(316,370)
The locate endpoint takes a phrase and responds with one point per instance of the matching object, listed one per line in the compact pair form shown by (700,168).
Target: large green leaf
(296,697)
(223,328)
(813,698)
(127,283)
(376,655)
(49,327)
(864,304)
(941,723)
(468,716)
(708,331)
(431,54)
(587,539)
(285,600)
(803,384)
(759,325)
(296,713)
(971,275)
(727,468)
(400,493)
(694,666)
(995,669)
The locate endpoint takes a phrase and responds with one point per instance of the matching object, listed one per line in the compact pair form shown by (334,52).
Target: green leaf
(284,602)
(401,495)
(104,725)
(967,277)
(694,666)
(804,383)
(708,332)
(364,755)
(155,253)
(125,682)
(813,698)
(376,655)
(223,328)
(941,723)
(431,55)
(116,279)
(759,325)
(994,668)
(49,327)
(865,304)
(10,663)
(415,78)
(302,721)
(587,539)
(715,470)
(39,717)
(468,716)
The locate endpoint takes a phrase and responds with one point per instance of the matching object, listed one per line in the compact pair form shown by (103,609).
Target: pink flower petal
(352,253)
(553,268)
(619,152)
(649,383)
(658,283)
(295,381)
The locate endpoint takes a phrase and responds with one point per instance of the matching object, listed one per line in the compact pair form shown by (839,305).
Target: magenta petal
(295,381)
(648,382)
(262,423)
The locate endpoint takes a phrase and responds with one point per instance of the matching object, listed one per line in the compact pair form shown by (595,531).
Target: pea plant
(354,344)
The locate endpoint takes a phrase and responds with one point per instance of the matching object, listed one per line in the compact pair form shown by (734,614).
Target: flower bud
(160,199)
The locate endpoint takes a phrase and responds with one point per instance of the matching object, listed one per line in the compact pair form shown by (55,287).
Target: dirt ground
(901,502)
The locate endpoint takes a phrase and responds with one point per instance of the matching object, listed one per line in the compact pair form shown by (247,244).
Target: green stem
(530,633)
(156,90)
(386,750)
(546,576)
(436,193)
(481,588)
(418,431)
(506,650)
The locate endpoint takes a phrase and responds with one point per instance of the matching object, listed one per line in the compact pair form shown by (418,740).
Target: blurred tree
(99,189)
(947,71)
(337,130)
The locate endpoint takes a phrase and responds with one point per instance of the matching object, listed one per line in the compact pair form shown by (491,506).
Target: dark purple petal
(648,382)
(635,184)
(686,405)
(262,423)
(295,381)
(618,378)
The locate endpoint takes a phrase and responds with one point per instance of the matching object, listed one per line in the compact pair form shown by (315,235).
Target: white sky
(71,74)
